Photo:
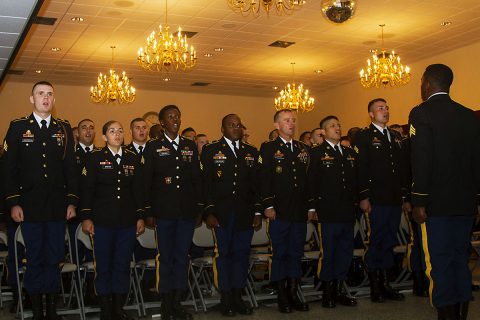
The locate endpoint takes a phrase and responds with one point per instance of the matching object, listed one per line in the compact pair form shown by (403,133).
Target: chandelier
(294,97)
(253,6)
(384,68)
(165,51)
(112,88)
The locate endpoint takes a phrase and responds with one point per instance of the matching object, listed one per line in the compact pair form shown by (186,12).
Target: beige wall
(204,111)
(349,102)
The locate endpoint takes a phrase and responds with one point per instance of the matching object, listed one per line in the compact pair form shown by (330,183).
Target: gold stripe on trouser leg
(369,234)
(157,264)
(94,264)
(214,260)
(320,256)
(410,244)
(270,250)
(428,263)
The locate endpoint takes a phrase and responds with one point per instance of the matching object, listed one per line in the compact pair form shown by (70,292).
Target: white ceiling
(247,66)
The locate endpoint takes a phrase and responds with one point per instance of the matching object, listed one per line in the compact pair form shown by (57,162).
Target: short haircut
(107,125)
(41,83)
(155,131)
(352,132)
(164,110)
(277,114)
(84,120)
(370,104)
(313,130)
(439,75)
(344,138)
(187,130)
(303,135)
(136,120)
(224,119)
(201,135)
(270,135)
(324,121)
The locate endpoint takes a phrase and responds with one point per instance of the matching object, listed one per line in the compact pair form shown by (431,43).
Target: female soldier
(112,212)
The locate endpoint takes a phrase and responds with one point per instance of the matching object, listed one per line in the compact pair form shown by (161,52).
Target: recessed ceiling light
(218,49)
(318,71)
(77,19)
(55,49)
(275,88)
(38,71)
(166,79)
(446,23)
(208,55)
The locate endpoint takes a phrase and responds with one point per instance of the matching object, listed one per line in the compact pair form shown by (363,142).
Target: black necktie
(44,125)
(87,149)
(140,150)
(235,149)
(118,158)
(385,133)
(289,145)
(337,149)
(175,145)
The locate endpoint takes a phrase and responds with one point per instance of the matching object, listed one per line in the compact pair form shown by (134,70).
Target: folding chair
(88,267)
(3,262)
(66,267)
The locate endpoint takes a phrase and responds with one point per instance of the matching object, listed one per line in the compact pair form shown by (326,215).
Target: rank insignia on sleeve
(5,145)
(356,149)
(84,171)
(260,159)
(142,160)
(412,130)
(201,166)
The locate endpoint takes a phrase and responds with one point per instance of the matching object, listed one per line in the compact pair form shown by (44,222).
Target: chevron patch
(5,145)
(201,165)
(356,149)
(84,171)
(412,130)
(260,160)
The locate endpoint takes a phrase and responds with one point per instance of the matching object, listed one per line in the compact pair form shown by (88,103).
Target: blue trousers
(232,253)
(383,222)
(446,245)
(336,250)
(112,251)
(288,239)
(174,237)
(414,253)
(45,249)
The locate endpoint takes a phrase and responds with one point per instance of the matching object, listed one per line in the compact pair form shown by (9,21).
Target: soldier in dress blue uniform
(283,173)
(41,187)
(445,142)
(383,187)
(231,209)
(139,130)
(112,213)
(173,195)
(333,186)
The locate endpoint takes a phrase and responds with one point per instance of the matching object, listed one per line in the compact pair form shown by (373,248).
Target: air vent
(47,21)
(16,72)
(200,84)
(189,34)
(281,44)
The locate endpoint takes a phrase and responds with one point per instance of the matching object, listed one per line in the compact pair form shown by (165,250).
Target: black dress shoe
(294,300)
(282,297)
(37,306)
(376,294)
(461,310)
(447,313)
(117,307)
(51,307)
(387,290)
(105,302)
(227,304)
(239,305)
(342,296)
(328,300)
(178,311)
(166,307)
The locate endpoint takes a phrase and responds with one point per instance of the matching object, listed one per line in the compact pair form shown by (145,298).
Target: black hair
(271,134)
(136,120)
(155,131)
(201,135)
(440,75)
(315,129)
(107,125)
(83,120)
(43,82)
(186,130)
(370,104)
(224,119)
(303,135)
(327,118)
(164,110)
(277,114)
